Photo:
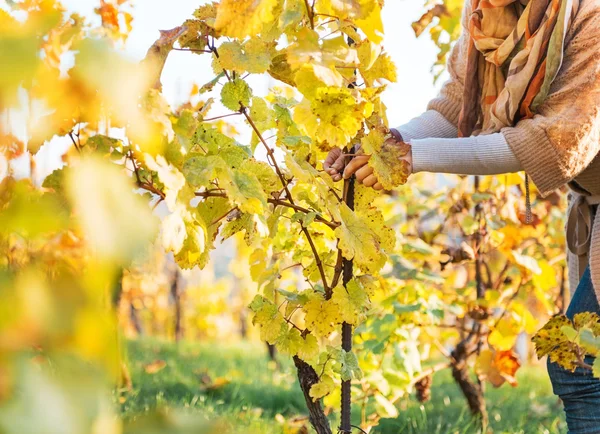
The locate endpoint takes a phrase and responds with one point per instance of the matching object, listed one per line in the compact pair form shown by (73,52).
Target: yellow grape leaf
(357,241)
(231,57)
(504,335)
(363,203)
(280,69)
(373,141)
(388,165)
(552,341)
(322,316)
(383,69)
(309,348)
(586,319)
(311,77)
(155,366)
(254,56)
(338,116)
(194,246)
(550,335)
(241,18)
(209,211)
(368,53)
(352,301)
(546,280)
(262,116)
(324,387)
(371,23)
(498,367)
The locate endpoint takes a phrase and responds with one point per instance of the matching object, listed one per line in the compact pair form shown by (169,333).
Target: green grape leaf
(264,173)
(234,93)
(269,319)
(596,368)
(200,170)
(290,342)
(349,369)
(244,190)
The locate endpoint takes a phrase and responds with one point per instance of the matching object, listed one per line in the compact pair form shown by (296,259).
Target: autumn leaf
(389,166)
(324,387)
(241,18)
(358,241)
(322,316)
(497,367)
(155,366)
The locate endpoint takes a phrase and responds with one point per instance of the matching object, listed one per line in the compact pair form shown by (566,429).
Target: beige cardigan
(561,144)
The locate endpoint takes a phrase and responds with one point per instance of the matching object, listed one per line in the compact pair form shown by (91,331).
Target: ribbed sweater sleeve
(429,124)
(478,155)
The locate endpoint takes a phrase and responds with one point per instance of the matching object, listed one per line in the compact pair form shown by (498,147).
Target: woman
(523,94)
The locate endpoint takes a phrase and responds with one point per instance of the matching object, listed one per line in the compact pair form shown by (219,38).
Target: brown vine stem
(271,155)
(276,202)
(221,117)
(311,14)
(284,183)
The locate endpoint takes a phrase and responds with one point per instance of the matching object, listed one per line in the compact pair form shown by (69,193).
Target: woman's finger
(331,160)
(354,165)
(370,180)
(378,186)
(363,173)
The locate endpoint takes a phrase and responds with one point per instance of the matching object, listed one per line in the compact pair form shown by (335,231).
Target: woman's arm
(478,155)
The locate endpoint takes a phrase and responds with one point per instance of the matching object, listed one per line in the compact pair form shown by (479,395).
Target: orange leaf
(154,367)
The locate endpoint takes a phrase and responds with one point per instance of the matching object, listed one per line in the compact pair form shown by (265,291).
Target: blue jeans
(579,390)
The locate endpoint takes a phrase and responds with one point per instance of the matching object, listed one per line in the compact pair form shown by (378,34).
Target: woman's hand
(364,173)
(335,165)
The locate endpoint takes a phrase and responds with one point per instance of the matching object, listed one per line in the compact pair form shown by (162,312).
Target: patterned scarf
(515,52)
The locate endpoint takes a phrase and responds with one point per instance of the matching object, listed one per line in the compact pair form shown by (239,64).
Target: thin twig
(311,14)
(221,117)
(74,142)
(192,50)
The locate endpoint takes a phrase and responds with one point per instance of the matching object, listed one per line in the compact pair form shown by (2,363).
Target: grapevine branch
(273,162)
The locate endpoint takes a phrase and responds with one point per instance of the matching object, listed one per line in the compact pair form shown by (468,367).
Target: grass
(236,383)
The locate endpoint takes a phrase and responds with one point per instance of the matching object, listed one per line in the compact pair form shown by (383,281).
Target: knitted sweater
(561,144)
